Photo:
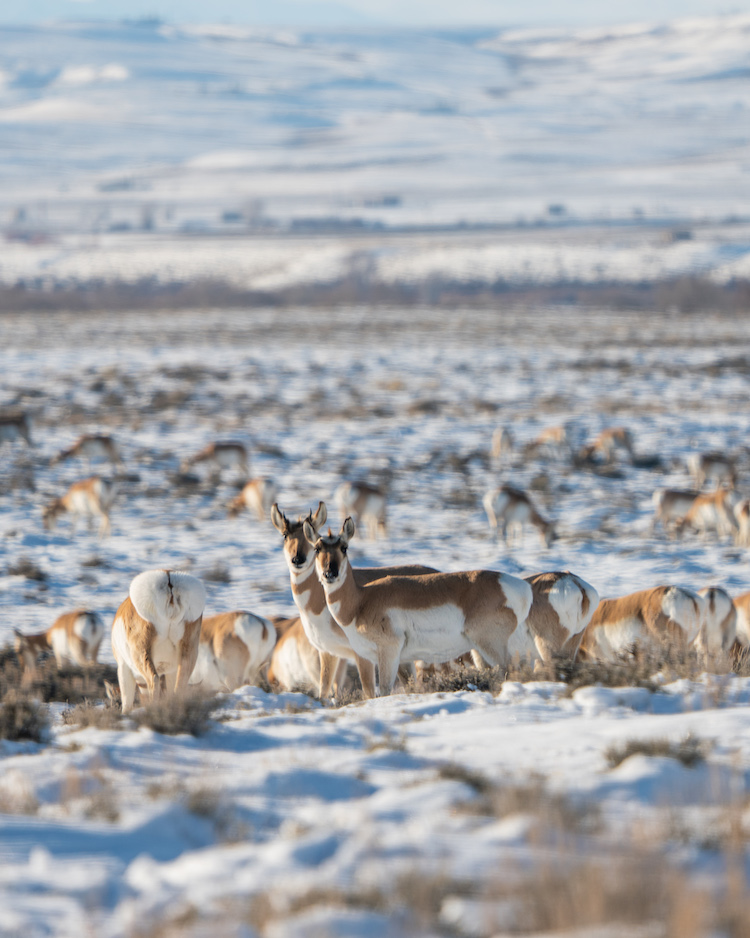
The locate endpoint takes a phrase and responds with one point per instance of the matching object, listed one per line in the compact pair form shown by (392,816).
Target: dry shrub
(690,751)
(27,568)
(68,684)
(23,717)
(212,804)
(175,714)
(86,714)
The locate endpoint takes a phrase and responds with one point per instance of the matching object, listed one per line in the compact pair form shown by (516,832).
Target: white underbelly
(206,672)
(326,635)
(521,644)
(432,635)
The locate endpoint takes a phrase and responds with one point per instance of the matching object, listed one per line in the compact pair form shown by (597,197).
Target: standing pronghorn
(713,511)
(432,617)
(364,502)
(553,441)
(509,509)
(664,615)
(73,636)
(91,446)
(220,456)
(258,495)
(715,466)
(321,628)
(15,427)
(671,506)
(89,498)
(562,607)
(233,648)
(156,634)
(295,662)
(719,629)
(742,517)
(742,605)
(502,444)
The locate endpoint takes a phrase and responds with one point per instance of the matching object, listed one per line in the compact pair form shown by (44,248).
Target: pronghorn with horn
(310,597)
(432,617)
(156,634)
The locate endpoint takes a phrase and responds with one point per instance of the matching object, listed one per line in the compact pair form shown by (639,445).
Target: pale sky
(325,13)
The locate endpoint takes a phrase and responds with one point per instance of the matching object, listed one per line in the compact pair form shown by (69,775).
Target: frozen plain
(286,808)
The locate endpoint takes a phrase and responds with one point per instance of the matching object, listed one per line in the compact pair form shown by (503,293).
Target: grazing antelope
(715,466)
(433,617)
(719,629)
(321,628)
(156,634)
(553,441)
(15,427)
(219,456)
(607,443)
(91,446)
(502,444)
(364,502)
(258,495)
(73,636)
(671,506)
(295,662)
(89,498)
(563,605)
(233,648)
(652,618)
(509,509)
(713,511)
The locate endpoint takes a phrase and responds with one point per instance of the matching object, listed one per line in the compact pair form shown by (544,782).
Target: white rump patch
(161,604)
(566,598)
(249,629)
(88,627)
(518,595)
(686,608)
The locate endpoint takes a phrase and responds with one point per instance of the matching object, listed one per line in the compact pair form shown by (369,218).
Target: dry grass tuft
(86,714)
(176,714)
(690,751)
(69,684)
(23,717)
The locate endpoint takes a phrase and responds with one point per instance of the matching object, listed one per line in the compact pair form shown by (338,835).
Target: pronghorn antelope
(671,506)
(89,498)
(310,598)
(608,441)
(710,512)
(502,444)
(258,495)
(509,509)
(742,605)
(552,441)
(717,467)
(233,648)
(719,629)
(156,634)
(664,615)
(365,503)
(15,427)
(220,456)
(562,607)
(73,636)
(295,662)
(91,446)
(433,617)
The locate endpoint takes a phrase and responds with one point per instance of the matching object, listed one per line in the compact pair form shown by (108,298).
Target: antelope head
(330,551)
(297,549)
(51,512)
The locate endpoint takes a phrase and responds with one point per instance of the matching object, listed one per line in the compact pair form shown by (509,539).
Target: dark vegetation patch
(68,684)
(690,751)
(23,717)
(174,715)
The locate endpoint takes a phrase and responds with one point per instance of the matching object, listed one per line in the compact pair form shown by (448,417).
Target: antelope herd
(387,621)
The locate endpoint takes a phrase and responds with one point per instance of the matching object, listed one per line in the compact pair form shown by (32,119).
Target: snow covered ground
(416,814)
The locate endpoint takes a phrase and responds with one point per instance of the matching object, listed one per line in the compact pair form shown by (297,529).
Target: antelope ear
(347,530)
(310,533)
(278,520)
(319,518)
(16,632)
